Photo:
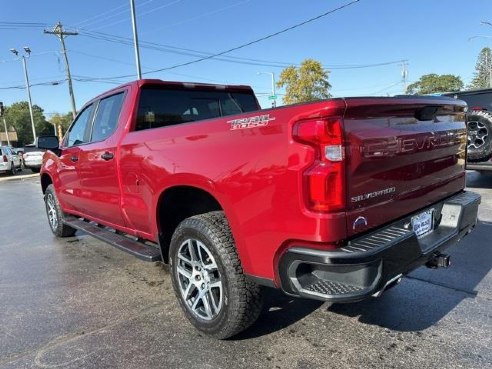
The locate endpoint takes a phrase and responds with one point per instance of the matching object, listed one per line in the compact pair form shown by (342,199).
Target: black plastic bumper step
(332,288)
(136,248)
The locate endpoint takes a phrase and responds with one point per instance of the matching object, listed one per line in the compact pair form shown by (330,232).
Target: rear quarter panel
(254,173)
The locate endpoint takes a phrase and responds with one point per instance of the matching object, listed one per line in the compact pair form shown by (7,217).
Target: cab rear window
(160,107)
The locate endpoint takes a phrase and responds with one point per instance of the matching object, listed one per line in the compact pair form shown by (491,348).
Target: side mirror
(48,143)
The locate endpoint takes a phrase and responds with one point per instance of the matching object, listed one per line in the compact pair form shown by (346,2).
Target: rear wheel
(13,170)
(479,124)
(55,214)
(208,278)
(35,170)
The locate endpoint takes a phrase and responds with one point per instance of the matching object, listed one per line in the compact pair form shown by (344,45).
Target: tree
(17,115)
(309,82)
(483,70)
(432,83)
(61,120)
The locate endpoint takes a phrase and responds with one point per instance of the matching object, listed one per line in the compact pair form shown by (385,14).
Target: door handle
(74,158)
(107,155)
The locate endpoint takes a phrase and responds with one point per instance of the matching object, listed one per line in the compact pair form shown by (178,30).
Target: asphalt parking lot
(79,303)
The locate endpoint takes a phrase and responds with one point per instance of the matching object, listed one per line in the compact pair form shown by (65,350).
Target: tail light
(5,159)
(324,180)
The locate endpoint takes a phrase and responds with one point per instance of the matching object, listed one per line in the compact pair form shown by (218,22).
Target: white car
(9,162)
(33,158)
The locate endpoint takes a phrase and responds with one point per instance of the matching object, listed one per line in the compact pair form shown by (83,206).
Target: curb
(18,177)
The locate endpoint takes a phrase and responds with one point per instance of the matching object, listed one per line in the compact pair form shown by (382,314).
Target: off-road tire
(479,124)
(53,209)
(242,299)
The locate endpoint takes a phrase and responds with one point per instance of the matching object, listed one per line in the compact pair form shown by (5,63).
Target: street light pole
(274,101)
(28,86)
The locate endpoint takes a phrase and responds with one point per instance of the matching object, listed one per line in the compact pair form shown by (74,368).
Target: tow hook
(439,261)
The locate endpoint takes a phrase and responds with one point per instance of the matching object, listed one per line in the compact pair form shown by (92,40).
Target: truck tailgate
(403,154)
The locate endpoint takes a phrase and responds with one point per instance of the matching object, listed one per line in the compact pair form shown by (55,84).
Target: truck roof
(469,92)
(175,84)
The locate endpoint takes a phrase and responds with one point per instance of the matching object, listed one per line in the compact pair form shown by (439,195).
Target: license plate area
(423,223)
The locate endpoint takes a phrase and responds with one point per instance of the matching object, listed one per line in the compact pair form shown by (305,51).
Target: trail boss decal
(251,122)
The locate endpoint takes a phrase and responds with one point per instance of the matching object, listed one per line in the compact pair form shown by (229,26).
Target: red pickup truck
(333,200)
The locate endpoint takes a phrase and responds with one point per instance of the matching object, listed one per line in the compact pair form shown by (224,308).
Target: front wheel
(55,214)
(208,278)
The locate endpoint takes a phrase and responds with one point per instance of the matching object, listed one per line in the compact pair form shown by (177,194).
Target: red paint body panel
(256,174)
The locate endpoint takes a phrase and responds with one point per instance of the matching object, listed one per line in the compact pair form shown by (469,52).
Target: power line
(88,20)
(140,15)
(181,51)
(20,87)
(360,66)
(259,39)
(212,12)
(212,56)
(99,57)
(113,12)
(22,24)
(230,59)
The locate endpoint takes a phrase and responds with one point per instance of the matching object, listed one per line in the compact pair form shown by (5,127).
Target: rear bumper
(32,164)
(368,264)
(4,166)
(484,165)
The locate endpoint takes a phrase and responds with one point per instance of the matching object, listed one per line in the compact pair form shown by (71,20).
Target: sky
(362,45)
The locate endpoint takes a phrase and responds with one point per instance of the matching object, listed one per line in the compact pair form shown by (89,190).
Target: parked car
(9,162)
(479,123)
(33,158)
(19,151)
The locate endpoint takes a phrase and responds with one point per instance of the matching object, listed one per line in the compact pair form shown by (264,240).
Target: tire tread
(62,230)
(246,297)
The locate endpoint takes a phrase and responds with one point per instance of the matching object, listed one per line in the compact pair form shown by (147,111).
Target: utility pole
(404,75)
(60,33)
(135,40)
(28,86)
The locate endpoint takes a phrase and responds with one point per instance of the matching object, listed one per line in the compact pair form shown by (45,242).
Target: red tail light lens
(5,159)
(324,180)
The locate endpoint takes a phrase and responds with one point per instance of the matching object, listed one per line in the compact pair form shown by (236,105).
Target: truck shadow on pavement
(279,311)
(426,296)
(479,180)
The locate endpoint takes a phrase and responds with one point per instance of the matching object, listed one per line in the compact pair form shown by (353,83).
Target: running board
(132,246)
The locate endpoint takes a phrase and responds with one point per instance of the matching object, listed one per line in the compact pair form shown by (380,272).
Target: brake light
(5,159)
(324,180)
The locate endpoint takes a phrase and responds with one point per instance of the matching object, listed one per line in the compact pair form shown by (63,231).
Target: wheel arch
(176,204)
(46,180)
